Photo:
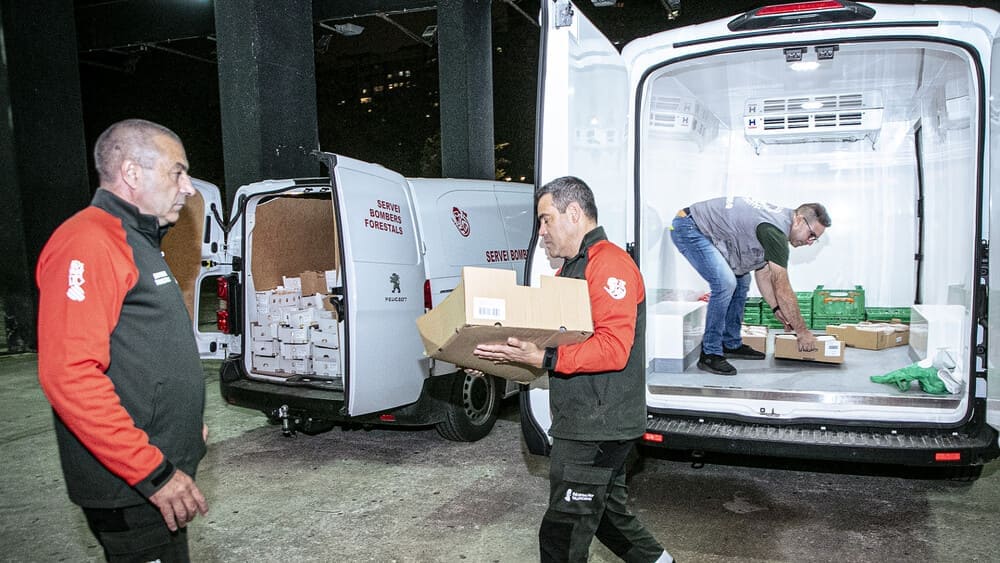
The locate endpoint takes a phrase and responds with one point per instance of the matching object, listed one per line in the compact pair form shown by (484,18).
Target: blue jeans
(729,291)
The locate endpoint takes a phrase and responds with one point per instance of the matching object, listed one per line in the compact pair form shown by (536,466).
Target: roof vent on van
(682,118)
(844,117)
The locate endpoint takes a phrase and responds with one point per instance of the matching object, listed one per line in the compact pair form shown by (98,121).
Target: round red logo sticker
(461,220)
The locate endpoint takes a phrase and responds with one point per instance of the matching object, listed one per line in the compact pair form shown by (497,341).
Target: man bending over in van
(597,388)
(727,238)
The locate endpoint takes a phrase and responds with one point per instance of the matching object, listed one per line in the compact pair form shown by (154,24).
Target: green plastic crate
(887,313)
(751,311)
(819,323)
(839,303)
(804,299)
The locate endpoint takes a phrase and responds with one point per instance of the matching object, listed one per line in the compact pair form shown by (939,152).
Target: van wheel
(472,408)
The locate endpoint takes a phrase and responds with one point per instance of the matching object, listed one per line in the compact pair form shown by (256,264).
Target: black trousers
(587,498)
(137,534)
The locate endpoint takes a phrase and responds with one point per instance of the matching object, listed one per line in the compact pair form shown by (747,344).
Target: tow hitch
(287,424)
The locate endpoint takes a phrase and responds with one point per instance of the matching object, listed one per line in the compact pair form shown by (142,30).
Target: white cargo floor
(770,374)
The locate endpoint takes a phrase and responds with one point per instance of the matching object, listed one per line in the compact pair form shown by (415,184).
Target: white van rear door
(993,226)
(583,116)
(384,363)
(195,250)
(583,126)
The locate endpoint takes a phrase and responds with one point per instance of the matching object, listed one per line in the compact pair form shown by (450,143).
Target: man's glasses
(813,237)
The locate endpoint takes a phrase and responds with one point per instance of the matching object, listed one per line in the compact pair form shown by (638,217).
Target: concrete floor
(409,496)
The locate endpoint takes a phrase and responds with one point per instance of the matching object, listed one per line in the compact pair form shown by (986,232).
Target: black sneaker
(715,364)
(744,352)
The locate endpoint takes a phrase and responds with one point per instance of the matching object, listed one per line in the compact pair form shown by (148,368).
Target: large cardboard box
(871,336)
(488,306)
(830,350)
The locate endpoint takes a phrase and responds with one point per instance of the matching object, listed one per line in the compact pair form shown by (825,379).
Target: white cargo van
(887,114)
(321,281)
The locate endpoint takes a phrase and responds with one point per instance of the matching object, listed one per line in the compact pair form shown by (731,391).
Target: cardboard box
(321,354)
(295,351)
(324,338)
(293,335)
(265,363)
(292,284)
(327,368)
(830,350)
(871,336)
(265,347)
(313,282)
(755,337)
(488,306)
(295,366)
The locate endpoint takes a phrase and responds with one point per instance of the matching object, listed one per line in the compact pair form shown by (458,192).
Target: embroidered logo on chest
(615,288)
(75,291)
(161,277)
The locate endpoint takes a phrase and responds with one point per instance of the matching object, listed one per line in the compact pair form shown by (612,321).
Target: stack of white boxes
(296,334)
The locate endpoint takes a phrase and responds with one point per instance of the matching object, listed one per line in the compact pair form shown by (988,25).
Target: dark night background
(377,92)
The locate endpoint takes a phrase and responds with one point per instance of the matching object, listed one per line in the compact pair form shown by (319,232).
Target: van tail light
(799,7)
(222,321)
(651,437)
(801,13)
(427,295)
(222,315)
(222,287)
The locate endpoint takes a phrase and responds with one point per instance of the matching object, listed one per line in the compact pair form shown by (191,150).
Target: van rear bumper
(974,443)
(237,390)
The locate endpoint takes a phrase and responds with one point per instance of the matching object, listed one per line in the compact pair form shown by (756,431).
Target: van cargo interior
(286,236)
(884,135)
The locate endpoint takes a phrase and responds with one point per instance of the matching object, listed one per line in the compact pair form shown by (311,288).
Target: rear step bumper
(972,444)
(268,397)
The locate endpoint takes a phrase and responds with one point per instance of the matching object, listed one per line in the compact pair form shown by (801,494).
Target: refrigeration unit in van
(887,115)
(320,282)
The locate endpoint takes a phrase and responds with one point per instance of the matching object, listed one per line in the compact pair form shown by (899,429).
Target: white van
(887,114)
(381,249)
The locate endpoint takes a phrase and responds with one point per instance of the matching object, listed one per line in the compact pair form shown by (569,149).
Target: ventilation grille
(802,119)
(679,117)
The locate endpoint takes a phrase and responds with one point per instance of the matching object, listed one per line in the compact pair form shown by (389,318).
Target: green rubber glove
(903,379)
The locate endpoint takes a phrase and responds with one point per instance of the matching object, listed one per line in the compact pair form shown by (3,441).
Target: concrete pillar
(267,90)
(43,156)
(465,67)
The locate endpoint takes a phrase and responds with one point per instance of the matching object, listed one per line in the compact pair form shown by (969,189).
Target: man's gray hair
(565,191)
(131,139)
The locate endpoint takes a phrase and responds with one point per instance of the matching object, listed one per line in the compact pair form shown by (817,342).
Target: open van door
(383,275)
(195,250)
(993,226)
(582,131)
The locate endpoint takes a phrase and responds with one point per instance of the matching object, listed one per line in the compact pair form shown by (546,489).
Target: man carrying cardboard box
(596,387)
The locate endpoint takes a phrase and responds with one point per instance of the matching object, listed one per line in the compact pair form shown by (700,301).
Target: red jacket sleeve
(616,289)
(83,275)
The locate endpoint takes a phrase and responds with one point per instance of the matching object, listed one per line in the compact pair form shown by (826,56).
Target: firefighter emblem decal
(615,288)
(461,220)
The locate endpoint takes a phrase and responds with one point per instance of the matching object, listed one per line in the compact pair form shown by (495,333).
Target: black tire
(472,407)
